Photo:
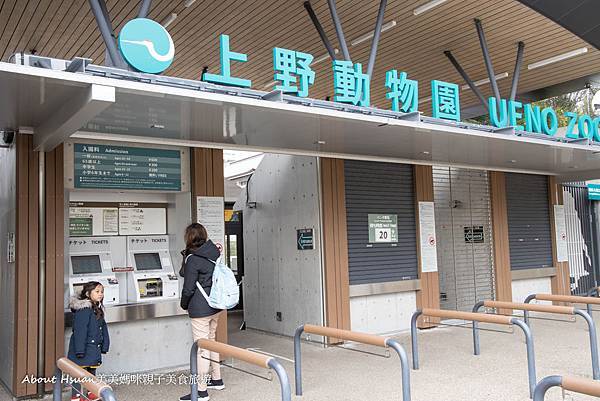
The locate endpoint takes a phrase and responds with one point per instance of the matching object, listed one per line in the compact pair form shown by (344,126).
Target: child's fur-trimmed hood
(78,304)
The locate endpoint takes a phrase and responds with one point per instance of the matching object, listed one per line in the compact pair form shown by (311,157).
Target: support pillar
(208,180)
(429,294)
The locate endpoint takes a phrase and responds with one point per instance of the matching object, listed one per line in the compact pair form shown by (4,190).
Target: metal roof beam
(113,58)
(517,72)
(487,59)
(338,29)
(466,77)
(144,8)
(319,27)
(376,36)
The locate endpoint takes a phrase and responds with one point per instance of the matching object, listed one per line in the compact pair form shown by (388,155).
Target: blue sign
(593,191)
(541,121)
(146,45)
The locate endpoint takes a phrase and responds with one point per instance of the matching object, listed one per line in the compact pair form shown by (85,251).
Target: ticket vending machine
(153,277)
(91,259)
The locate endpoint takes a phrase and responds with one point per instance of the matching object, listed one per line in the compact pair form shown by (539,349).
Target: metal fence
(579,214)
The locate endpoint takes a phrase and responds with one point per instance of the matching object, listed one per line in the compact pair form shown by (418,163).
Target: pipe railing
(570,383)
(562,310)
(347,335)
(241,354)
(588,301)
(82,376)
(593,292)
(480,318)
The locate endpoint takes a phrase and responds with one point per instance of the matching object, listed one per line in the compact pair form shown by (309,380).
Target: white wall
(522,288)
(382,313)
(145,345)
(7,270)
(278,277)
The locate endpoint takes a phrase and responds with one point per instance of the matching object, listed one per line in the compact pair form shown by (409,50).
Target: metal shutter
(580,241)
(529,230)
(462,202)
(385,188)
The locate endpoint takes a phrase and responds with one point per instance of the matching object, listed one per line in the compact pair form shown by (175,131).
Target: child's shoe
(93,397)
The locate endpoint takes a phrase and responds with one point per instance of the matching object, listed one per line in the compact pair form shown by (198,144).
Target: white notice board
(560,229)
(100,220)
(210,212)
(142,221)
(428,239)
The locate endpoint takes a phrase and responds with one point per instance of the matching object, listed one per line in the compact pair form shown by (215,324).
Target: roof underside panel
(578,16)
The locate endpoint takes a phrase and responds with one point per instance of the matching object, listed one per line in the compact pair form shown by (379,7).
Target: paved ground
(449,371)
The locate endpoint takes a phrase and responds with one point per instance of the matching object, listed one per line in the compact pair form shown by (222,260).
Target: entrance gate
(463,229)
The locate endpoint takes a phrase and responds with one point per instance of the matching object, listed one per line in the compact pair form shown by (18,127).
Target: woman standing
(198,267)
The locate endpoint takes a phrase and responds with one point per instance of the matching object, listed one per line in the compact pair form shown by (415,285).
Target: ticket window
(147,261)
(86,268)
(153,278)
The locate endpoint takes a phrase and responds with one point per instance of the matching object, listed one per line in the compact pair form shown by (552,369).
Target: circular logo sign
(146,45)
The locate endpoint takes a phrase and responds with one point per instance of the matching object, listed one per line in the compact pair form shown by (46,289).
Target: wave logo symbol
(146,45)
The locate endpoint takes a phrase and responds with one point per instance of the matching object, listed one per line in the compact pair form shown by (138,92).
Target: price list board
(123,167)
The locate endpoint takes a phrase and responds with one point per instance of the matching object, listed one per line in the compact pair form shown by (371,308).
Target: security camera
(7,137)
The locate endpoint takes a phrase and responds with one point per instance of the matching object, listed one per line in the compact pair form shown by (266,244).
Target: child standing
(90,334)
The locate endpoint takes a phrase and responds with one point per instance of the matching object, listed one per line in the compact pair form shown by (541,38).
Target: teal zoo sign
(593,191)
(530,118)
(146,45)
(124,167)
(305,239)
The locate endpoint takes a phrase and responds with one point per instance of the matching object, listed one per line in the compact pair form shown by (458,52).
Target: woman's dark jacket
(90,335)
(198,268)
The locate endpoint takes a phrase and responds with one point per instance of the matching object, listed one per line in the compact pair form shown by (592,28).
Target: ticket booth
(153,277)
(91,259)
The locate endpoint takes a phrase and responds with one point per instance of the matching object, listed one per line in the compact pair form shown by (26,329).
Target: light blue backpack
(224,293)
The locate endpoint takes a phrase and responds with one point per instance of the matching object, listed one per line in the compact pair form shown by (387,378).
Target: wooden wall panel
(54,307)
(59,255)
(429,294)
(208,180)
(26,287)
(561,283)
(502,272)
(335,244)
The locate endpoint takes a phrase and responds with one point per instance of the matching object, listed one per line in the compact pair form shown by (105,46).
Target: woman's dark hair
(195,236)
(97,307)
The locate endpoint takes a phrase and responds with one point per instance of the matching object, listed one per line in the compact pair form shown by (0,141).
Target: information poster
(560,226)
(383,228)
(428,240)
(142,220)
(89,221)
(126,167)
(211,214)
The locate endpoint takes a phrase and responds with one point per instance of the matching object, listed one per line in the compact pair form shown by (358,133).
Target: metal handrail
(369,339)
(571,299)
(563,310)
(593,292)
(571,383)
(86,379)
(476,317)
(241,354)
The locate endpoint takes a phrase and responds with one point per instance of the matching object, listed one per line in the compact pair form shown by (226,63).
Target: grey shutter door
(380,188)
(529,229)
(462,202)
